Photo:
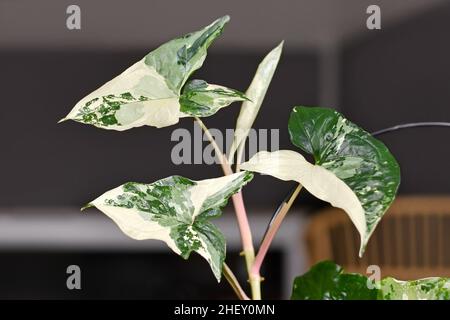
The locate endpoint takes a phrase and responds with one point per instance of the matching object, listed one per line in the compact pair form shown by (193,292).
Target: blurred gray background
(377,78)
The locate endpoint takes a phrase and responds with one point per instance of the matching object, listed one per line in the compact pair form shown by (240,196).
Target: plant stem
(247,244)
(233,281)
(239,153)
(271,232)
(249,253)
(241,215)
(222,159)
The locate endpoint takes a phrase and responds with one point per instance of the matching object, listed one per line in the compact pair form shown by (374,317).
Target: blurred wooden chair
(412,240)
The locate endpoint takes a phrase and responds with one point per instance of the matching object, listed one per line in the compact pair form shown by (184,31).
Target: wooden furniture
(411,241)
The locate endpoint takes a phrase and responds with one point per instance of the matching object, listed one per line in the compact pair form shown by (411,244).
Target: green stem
(233,281)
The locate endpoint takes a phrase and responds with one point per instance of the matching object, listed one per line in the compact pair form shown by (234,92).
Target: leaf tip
(87,206)
(225,18)
(362,248)
(221,21)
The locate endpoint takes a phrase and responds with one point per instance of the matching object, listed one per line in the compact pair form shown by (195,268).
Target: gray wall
(396,75)
(45,163)
(400,75)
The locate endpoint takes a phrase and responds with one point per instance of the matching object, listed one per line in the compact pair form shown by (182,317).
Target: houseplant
(352,170)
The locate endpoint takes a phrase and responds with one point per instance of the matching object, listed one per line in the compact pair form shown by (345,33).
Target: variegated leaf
(353,155)
(256,93)
(353,170)
(328,281)
(148,92)
(176,60)
(200,99)
(432,288)
(290,165)
(175,210)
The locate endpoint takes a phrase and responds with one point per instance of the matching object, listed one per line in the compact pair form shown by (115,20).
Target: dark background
(400,76)
(62,164)
(395,75)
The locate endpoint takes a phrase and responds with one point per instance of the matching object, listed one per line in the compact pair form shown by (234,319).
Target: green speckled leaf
(422,289)
(175,210)
(326,281)
(353,155)
(148,92)
(200,99)
(176,60)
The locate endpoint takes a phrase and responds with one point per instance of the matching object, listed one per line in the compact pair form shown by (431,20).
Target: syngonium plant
(352,170)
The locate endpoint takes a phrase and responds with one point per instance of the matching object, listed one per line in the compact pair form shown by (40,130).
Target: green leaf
(200,99)
(148,92)
(353,155)
(256,93)
(175,210)
(326,281)
(423,289)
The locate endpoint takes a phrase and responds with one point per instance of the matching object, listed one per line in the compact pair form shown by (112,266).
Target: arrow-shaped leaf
(353,155)
(353,170)
(175,210)
(148,92)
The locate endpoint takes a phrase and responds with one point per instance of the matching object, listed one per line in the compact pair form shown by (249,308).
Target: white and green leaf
(352,171)
(175,210)
(289,165)
(176,60)
(148,92)
(255,93)
(327,281)
(353,155)
(432,288)
(200,99)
